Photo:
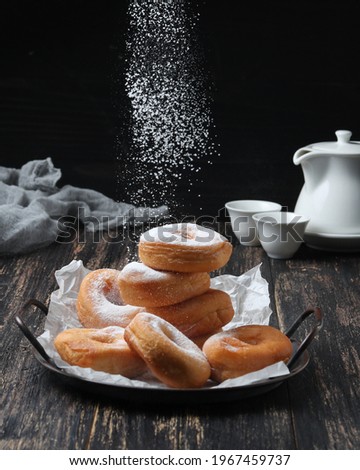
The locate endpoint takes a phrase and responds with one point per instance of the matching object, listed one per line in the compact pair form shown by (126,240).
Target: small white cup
(241,213)
(280,233)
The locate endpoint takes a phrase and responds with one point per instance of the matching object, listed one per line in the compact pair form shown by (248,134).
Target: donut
(172,357)
(100,349)
(200,340)
(200,315)
(184,247)
(245,349)
(146,287)
(99,303)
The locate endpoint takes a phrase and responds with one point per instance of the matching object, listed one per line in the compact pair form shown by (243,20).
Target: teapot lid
(343,145)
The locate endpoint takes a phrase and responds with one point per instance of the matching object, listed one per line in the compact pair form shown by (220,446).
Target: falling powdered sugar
(170,124)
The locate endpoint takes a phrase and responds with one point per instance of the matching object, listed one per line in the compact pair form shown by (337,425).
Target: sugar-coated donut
(144,286)
(172,357)
(99,303)
(200,315)
(100,349)
(184,247)
(245,349)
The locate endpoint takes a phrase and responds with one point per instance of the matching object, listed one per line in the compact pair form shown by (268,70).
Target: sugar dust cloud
(170,134)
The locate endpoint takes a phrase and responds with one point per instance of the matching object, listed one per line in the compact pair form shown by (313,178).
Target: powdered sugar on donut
(109,334)
(108,304)
(186,234)
(136,270)
(173,334)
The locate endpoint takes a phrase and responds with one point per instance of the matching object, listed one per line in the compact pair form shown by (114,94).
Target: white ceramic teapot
(330,196)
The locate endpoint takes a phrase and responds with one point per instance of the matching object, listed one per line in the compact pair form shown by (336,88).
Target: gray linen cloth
(32,207)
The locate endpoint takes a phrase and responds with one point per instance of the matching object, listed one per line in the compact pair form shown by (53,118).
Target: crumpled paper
(249,295)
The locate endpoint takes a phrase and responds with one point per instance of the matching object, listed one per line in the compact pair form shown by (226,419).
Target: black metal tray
(299,360)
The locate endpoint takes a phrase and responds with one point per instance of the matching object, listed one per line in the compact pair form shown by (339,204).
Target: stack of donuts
(157,314)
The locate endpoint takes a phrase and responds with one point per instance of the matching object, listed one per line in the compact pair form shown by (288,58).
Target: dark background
(284,73)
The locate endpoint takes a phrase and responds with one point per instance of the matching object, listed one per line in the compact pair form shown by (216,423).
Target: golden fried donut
(199,315)
(144,286)
(184,247)
(101,349)
(200,340)
(172,357)
(245,349)
(99,303)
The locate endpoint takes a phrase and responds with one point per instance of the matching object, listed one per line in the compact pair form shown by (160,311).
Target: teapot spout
(303,154)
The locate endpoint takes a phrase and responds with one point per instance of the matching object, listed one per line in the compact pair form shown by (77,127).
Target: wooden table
(317,409)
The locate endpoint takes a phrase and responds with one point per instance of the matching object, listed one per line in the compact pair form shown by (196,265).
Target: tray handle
(316,311)
(29,335)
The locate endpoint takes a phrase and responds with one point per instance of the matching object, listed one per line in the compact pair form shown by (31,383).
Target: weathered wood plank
(262,422)
(33,417)
(28,411)
(327,393)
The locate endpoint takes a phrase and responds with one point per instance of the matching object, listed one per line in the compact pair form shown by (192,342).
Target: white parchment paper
(249,295)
